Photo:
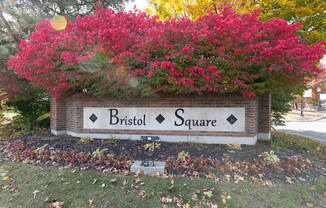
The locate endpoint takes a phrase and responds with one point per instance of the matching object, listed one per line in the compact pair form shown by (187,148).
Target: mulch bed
(166,150)
(247,153)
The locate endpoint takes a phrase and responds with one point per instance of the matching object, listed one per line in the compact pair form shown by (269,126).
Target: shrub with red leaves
(120,54)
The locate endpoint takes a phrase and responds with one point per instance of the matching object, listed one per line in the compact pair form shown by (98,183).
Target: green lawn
(284,140)
(85,188)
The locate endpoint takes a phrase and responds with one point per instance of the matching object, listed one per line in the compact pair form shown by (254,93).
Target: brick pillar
(264,117)
(58,116)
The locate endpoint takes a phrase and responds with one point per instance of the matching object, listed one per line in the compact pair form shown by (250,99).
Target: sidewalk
(295,115)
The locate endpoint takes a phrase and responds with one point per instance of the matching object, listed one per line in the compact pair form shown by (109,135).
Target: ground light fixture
(148,140)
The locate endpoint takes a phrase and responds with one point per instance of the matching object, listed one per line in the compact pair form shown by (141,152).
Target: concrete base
(264,136)
(167,138)
(159,167)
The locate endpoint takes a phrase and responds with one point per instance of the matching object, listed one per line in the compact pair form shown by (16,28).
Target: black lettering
(195,123)
(188,123)
(134,120)
(114,115)
(178,116)
(213,122)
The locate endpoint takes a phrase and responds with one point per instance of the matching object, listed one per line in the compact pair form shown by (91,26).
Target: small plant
(234,146)
(280,144)
(99,152)
(183,155)
(112,140)
(196,145)
(152,146)
(41,148)
(86,139)
(270,157)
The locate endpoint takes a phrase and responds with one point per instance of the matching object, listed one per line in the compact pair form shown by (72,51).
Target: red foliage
(132,53)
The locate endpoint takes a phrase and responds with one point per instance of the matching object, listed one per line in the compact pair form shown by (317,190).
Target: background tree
(18,20)
(312,13)
(195,9)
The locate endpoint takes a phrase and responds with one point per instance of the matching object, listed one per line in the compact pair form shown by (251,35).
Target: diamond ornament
(93,118)
(160,118)
(231,119)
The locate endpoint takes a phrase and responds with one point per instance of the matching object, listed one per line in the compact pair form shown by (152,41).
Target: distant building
(315,97)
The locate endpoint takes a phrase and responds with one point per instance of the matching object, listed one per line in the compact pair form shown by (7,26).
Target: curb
(317,119)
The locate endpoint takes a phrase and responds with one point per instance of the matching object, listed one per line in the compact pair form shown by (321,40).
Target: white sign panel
(174,119)
(307,94)
(322,96)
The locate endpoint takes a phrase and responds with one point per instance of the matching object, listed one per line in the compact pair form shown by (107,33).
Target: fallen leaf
(140,172)
(209,194)
(5,178)
(186,205)
(35,193)
(94,181)
(224,200)
(302,179)
(211,175)
(288,180)
(90,201)
(171,187)
(142,193)
(194,197)
(113,180)
(214,206)
(166,200)
(310,205)
(324,194)
(57,204)
(47,199)
(138,180)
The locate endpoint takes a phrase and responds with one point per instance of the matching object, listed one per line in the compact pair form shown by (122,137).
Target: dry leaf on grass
(138,180)
(166,200)
(113,180)
(5,178)
(194,197)
(35,193)
(211,175)
(310,205)
(57,205)
(289,180)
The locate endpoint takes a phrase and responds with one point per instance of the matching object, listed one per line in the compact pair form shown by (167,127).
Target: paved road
(314,129)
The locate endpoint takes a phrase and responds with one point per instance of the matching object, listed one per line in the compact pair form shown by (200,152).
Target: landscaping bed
(283,159)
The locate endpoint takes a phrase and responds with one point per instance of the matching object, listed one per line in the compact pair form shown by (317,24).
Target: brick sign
(169,119)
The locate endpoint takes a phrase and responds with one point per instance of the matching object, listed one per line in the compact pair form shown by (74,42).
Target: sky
(140,4)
